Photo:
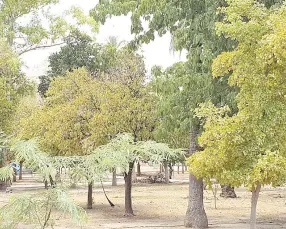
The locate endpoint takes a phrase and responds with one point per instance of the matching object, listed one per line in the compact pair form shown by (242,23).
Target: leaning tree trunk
(114,179)
(89,195)
(254,199)
(21,171)
(138,169)
(227,191)
(166,169)
(195,216)
(128,187)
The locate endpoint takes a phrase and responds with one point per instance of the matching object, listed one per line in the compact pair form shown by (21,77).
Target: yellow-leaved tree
(248,148)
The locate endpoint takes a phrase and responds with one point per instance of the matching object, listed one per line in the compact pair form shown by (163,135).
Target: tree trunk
(171,171)
(89,196)
(14,175)
(195,216)
(227,191)
(138,169)
(46,184)
(128,187)
(166,169)
(254,199)
(134,176)
(178,168)
(161,168)
(183,168)
(114,179)
(52,182)
(21,171)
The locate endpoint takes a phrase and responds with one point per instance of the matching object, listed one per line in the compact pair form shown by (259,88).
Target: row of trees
(238,145)
(233,126)
(89,96)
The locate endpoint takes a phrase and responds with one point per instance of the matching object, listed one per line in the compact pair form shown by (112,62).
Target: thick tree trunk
(195,216)
(138,169)
(114,179)
(89,196)
(166,169)
(254,199)
(128,187)
(227,191)
(21,171)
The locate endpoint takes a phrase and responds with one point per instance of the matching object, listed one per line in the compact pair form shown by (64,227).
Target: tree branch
(39,47)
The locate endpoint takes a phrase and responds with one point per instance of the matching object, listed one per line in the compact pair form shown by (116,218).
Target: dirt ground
(164,206)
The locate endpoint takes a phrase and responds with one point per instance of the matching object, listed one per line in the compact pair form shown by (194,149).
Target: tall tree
(192,28)
(248,148)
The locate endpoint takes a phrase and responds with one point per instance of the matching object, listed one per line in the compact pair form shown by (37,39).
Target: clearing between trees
(162,205)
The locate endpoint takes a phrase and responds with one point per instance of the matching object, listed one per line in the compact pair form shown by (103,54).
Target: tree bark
(138,169)
(183,168)
(178,168)
(89,195)
(134,176)
(128,187)
(161,168)
(21,171)
(114,179)
(227,191)
(166,169)
(195,216)
(254,199)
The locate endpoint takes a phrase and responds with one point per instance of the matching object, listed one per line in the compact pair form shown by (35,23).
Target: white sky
(155,53)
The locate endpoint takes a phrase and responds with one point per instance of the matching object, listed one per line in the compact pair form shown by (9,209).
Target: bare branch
(39,47)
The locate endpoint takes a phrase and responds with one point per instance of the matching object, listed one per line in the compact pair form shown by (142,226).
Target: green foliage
(124,146)
(248,148)
(13,84)
(39,209)
(179,91)
(81,112)
(6,173)
(30,25)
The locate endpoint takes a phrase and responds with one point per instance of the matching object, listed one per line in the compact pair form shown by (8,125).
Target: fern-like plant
(40,210)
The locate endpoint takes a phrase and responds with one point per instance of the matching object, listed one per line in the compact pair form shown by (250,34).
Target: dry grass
(164,206)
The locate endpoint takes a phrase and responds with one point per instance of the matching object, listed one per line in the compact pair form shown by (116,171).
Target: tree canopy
(30,25)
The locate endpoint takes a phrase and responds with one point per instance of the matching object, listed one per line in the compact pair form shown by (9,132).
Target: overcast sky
(155,53)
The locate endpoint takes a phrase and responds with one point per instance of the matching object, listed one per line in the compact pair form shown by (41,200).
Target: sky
(155,53)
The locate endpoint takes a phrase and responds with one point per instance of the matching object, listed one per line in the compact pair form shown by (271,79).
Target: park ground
(164,206)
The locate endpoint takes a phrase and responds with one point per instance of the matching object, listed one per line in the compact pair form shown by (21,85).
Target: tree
(81,51)
(248,148)
(19,209)
(81,113)
(130,151)
(35,34)
(13,84)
